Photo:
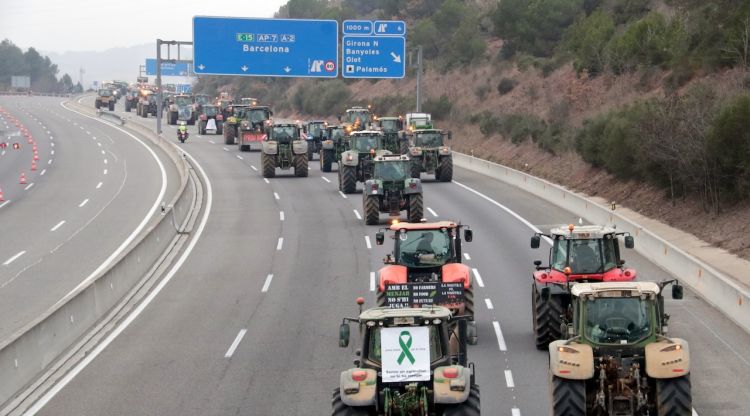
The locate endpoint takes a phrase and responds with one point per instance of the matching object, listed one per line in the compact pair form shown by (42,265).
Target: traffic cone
(34,148)
(31,141)
(33,165)
(36,157)
(1,196)
(22,181)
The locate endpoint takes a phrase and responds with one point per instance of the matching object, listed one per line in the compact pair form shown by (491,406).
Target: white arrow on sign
(201,67)
(287,69)
(244,68)
(396,58)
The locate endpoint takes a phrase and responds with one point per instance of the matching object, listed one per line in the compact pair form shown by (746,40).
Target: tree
(587,39)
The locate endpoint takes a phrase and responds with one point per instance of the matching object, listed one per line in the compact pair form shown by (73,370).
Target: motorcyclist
(182,130)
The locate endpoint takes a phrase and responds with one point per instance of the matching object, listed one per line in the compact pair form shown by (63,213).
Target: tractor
(429,254)
(253,126)
(357,162)
(181,110)
(334,144)
(430,154)
(210,118)
(394,141)
(315,130)
(283,148)
(356,119)
(391,190)
(105,98)
(616,359)
(589,253)
(146,103)
(410,362)
(131,100)
(231,123)
(418,121)
(199,101)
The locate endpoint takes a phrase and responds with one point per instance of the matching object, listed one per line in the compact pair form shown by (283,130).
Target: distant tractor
(181,110)
(253,127)
(335,142)
(357,162)
(105,98)
(199,100)
(431,155)
(615,358)
(589,253)
(315,130)
(210,119)
(146,103)
(391,190)
(394,141)
(131,100)
(418,121)
(356,119)
(285,149)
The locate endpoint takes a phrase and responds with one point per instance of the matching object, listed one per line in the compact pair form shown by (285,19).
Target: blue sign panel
(374,57)
(390,28)
(167,69)
(265,47)
(357,27)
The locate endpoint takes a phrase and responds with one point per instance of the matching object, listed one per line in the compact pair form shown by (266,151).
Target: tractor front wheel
(326,159)
(268,163)
(372,209)
(340,409)
(111,106)
(300,165)
(445,169)
(471,407)
(673,397)
(202,128)
(568,397)
(547,316)
(348,179)
(416,167)
(229,135)
(415,213)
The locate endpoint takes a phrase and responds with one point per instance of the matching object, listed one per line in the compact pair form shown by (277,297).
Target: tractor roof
(317,122)
(438,131)
(356,108)
(389,118)
(583,231)
(382,314)
(422,225)
(634,288)
(367,133)
(387,157)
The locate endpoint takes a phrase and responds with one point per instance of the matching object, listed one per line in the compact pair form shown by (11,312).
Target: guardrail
(28,354)
(718,289)
(35,94)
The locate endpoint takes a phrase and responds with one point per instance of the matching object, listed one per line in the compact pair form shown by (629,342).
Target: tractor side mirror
(468,235)
(677,291)
(338,117)
(379,238)
(535,241)
(546,294)
(450,135)
(537,263)
(629,241)
(344,332)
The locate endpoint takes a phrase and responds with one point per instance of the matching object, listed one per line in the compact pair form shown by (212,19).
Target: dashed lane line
(281,216)
(83,203)
(254,168)
(488,302)
(240,157)
(434,214)
(267,283)
(98,185)
(235,343)
(280,244)
(343,195)
(325,179)
(499,335)
(467,256)
(14,258)
(509,379)
(367,242)
(276,195)
(28,186)
(42,172)
(356,214)
(372,281)
(266,180)
(58,225)
(478,277)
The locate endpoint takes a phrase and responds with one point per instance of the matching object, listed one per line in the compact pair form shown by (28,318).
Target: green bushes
(506,85)
(321,98)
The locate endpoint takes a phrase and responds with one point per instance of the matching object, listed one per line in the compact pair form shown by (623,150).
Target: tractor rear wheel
(445,169)
(326,159)
(673,397)
(111,106)
(229,135)
(380,298)
(469,311)
(268,163)
(568,397)
(415,213)
(348,178)
(472,406)
(202,128)
(310,149)
(340,409)
(547,318)
(416,167)
(372,209)
(404,144)
(300,165)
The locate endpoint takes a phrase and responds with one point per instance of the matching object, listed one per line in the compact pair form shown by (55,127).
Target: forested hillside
(43,73)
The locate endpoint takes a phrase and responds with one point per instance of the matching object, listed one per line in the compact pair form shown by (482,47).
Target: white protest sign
(211,125)
(405,354)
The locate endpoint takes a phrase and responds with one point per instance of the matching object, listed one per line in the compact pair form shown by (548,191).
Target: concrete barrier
(31,350)
(718,289)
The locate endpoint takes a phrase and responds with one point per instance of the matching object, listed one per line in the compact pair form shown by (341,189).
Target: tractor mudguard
(345,159)
(412,186)
(456,272)
(619,275)
(451,390)
(391,274)
(270,148)
(373,187)
(359,393)
(299,147)
(327,144)
(444,151)
(574,362)
(668,358)
(555,288)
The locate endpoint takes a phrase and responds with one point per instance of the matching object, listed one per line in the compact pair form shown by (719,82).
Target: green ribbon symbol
(405,353)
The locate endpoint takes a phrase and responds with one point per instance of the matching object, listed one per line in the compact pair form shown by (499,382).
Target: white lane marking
(478,277)
(488,302)
(28,186)
(84,202)
(14,258)
(240,157)
(49,162)
(225,149)
(52,145)
(105,171)
(88,132)
(434,214)
(275,195)
(372,281)
(280,244)
(52,392)
(509,379)
(715,334)
(367,242)
(515,412)
(267,283)
(105,161)
(3,154)
(58,225)
(100,145)
(325,179)
(695,413)
(236,342)
(356,214)
(103,152)
(467,256)
(254,168)
(42,172)
(281,215)
(98,185)
(266,180)
(5,203)
(52,152)
(499,335)
(343,195)
(212,142)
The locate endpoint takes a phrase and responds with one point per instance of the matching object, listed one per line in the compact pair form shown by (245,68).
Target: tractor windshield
(374,351)
(389,125)
(210,110)
(428,139)
(584,256)
(392,171)
(284,133)
(617,320)
(105,93)
(424,248)
(358,116)
(182,101)
(364,143)
(337,133)
(202,99)
(256,115)
(314,129)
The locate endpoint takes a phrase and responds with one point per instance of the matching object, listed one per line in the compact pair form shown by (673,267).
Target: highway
(94,190)
(249,323)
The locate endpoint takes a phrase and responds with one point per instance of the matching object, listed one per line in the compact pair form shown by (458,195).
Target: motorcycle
(182,136)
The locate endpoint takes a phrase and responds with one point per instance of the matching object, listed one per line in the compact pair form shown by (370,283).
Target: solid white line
(478,277)
(236,342)
(105,171)
(280,244)
(343,195)
(509,379)
(240,157)
(467,256)
(85,201)
(325,179)
(28,186)
(254,168)
(281,215)
(267,284)
(372,281)
(42,172)
(59,224)
(356,214)
(367,242)
(515,412)
(12,259)
(266,180)
(499,335)
(5,203)
(488,302)
(275,195)
(99,185)
(434,214)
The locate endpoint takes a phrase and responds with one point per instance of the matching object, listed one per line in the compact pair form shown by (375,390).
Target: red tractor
(425,269)
(589,253)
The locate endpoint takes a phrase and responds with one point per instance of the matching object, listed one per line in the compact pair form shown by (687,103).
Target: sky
(97,25)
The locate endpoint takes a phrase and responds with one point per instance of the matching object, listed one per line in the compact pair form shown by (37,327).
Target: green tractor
(285,149)
(232,123)
(430,154)
(356,119)
(395,141)
(410,363)
(391,190)
(617,360)
(357,162)
(335,142)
